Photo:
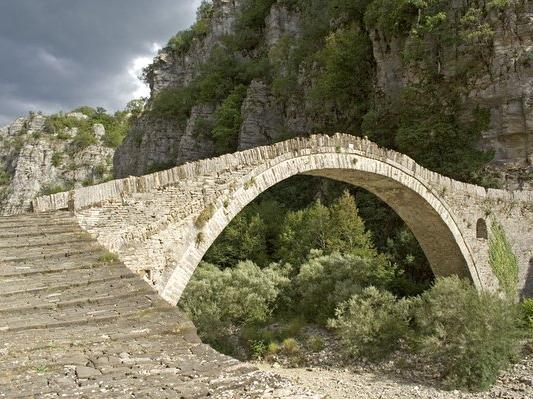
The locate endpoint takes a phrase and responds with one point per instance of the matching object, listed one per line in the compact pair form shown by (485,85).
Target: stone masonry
(76,323)
(160,225)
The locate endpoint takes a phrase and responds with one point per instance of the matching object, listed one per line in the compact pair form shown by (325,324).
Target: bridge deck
(72,325)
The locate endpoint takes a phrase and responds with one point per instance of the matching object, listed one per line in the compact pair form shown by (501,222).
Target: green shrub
(228,120)
(108,257)
(527,311)
(372,323)
(258,349)
(326,281)
(337,228)
(57,157)
(218,301)
(503,260)
(345,78)
(5,177)
(83,139)
(469,336)
(245,238)
(290,346)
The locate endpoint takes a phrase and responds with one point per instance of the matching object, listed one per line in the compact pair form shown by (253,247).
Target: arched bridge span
(162,224)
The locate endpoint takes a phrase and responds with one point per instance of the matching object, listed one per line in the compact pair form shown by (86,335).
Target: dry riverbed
(327,374)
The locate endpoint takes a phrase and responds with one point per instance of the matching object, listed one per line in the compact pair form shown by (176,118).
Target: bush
(346,76)
(5,177)
(57,157)
(527,311)
(470,337)
(219,301)
(228,120)
(83,140)
(372,324)
(326,281)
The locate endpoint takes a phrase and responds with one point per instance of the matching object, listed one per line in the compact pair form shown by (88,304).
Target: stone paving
(76,323)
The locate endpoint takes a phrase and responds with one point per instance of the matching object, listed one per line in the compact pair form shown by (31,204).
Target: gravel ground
(329,375)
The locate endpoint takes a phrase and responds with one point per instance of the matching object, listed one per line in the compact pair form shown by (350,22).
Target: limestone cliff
(36,160)
(504,86)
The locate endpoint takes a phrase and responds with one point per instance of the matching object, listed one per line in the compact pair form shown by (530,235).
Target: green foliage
(326,281)
(503,260)
(335,229)
(527,311)
(250,23)
(246,237)
(182,41)
(108,257)
(228,120)
(116,127)
(372,324)
(219,300)
(393,17)
(346,74)
(57,123)
(175,103)
(469,336)
(57,157)
(5,177)
(83,140)
(431,132)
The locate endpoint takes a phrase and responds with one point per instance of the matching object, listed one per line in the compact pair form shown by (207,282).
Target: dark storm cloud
(58,54)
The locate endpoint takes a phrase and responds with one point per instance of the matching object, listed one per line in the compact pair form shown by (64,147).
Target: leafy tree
(326,281)
(346,76)
(335,229)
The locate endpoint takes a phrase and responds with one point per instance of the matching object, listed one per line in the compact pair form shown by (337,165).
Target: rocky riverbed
(331,376)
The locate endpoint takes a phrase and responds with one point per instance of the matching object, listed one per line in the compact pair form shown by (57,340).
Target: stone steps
(72,325)
(20,286)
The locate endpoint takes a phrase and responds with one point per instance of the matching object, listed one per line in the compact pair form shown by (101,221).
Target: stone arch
(481,229)
(422,209)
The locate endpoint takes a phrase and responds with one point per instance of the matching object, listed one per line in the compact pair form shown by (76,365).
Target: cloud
(59,54)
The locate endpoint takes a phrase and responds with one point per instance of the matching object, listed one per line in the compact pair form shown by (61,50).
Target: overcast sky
(59,54)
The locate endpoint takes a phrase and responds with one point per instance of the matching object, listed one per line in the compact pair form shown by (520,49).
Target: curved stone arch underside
(425,213)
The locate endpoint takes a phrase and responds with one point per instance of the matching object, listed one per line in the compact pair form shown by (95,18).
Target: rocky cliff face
(505,88)
(35,161)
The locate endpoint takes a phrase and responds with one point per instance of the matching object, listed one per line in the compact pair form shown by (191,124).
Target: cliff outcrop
(42,155)
(280,100)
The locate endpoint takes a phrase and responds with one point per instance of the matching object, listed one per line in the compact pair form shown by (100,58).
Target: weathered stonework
(149,221)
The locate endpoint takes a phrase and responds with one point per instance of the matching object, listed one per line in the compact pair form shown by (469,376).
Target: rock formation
(505,89)
(34,161)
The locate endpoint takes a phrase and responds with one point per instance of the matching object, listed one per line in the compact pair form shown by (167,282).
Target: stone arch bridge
(160,225)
